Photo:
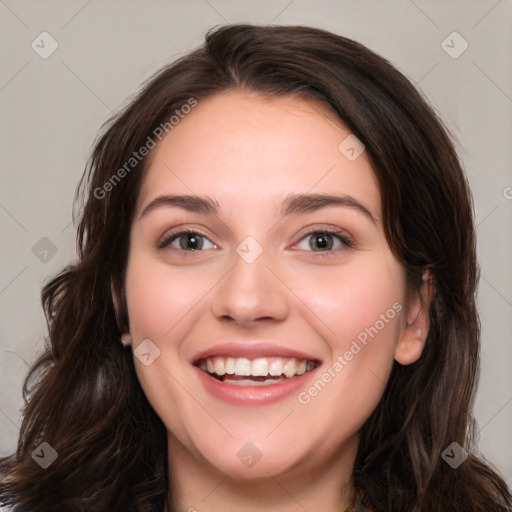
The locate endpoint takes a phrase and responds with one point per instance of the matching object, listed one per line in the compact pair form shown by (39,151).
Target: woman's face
(286,272)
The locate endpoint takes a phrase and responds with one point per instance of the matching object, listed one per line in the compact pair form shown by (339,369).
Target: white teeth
(276,367)
(247,382)
(218,365)
(229,365)
(243,366)
(261,367)
(289,368)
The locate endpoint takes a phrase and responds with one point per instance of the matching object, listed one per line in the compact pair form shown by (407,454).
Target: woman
(274,302)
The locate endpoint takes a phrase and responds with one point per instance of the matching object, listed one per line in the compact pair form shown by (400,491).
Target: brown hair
(83,396)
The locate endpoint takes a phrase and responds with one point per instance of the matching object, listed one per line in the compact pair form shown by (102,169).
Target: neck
(198,486)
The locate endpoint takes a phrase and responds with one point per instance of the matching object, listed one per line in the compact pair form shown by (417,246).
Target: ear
(414,334)
(115,301)
(125,338)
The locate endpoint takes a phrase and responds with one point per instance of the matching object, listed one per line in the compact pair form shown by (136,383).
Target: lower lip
(252,395)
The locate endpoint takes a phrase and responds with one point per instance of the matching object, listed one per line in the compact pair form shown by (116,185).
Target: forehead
(252,148)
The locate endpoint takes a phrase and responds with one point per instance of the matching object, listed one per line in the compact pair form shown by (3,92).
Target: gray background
(52,109)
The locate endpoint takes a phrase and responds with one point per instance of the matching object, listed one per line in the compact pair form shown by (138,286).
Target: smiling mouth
(263,371)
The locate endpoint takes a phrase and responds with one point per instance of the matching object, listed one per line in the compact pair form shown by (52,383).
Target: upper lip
(252,351)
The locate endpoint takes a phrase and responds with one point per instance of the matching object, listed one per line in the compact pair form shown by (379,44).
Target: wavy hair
(82,396)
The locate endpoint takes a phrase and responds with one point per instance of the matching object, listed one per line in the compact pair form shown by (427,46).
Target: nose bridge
(250,291)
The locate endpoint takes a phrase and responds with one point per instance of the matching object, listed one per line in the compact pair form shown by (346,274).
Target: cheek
(361,306)
(159,297)
(351,299)
(160,301)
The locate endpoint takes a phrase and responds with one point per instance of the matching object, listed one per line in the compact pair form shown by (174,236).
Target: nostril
(249,322)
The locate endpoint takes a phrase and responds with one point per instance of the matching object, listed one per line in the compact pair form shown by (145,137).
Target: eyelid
(332,230)
(342,236)
(169,236)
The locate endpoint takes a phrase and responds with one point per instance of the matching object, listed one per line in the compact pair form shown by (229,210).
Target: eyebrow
(293,204)
(307,203)
(189,203)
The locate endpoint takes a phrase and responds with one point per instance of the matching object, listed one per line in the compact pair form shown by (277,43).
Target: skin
(248,152)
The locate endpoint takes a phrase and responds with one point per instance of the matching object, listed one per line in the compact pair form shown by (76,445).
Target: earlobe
(126,339)
(412,339)
(410,345)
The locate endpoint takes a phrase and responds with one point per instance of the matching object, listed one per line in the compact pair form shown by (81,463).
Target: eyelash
(346,241)
(167,240)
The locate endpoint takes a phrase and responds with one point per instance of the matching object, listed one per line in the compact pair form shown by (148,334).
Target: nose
(250,294)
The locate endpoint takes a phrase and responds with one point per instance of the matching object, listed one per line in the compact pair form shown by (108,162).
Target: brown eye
(325,241)
(187,241)
(321,241)
(190,241)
